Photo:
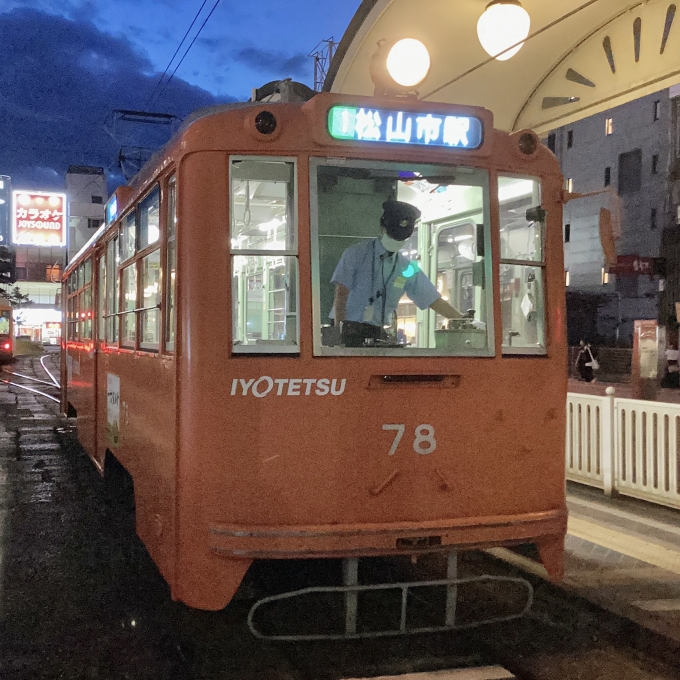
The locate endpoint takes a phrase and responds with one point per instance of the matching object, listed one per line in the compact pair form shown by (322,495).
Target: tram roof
(562,74)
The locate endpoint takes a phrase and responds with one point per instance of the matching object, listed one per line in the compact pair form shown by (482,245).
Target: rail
(627,446)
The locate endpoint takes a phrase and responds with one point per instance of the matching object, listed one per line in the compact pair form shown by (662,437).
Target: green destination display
(403,127)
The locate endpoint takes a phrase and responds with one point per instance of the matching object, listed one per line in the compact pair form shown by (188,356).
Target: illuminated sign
(111,209)
(402,127)
(38,218)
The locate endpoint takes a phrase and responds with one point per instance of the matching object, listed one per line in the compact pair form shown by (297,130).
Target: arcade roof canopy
(582,57)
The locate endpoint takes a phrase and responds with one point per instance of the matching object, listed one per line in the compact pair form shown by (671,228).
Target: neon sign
(39,218)
(402,127)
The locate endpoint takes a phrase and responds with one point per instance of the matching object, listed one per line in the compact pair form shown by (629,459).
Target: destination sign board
(357,124)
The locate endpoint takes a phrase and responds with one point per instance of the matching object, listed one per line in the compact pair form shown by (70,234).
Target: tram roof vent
(284,91)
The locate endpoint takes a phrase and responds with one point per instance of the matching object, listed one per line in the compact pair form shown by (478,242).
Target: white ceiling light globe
(408,62)
(504,23)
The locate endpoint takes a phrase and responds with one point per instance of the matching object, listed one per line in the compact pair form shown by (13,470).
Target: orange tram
(200,353)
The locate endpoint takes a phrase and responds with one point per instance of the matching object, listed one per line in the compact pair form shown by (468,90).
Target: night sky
(66,64)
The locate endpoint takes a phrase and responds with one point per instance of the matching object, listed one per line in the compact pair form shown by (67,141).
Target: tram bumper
(546,529)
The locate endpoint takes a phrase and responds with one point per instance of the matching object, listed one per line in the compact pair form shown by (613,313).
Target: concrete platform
(623,555)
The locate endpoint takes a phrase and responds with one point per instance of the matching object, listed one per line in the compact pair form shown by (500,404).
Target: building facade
(86,190)
(623,158)
(39,268)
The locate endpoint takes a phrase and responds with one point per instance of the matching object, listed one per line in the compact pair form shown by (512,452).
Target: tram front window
(264,256)
(386,285)
(5,318)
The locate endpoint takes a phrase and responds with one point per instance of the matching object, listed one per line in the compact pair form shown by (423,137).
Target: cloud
(274,63)
(60,80)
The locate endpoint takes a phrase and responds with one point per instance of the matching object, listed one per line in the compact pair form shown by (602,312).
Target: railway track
(30,383)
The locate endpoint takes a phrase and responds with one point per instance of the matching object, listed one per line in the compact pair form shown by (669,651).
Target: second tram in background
(199,349)
(6,330)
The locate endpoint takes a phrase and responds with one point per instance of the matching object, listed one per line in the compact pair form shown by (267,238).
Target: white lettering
(245,386)
(399,132)
(368,125)
(455,131)
(429,127)
(290,387)
(294,387)
(270,386)
(37,224)
(334,387)
(322,387)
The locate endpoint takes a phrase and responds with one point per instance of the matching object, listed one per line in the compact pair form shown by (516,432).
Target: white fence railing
(624,445)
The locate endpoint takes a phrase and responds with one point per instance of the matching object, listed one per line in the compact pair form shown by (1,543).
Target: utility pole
(323,56)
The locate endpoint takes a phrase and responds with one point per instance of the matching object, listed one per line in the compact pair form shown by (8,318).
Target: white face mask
(390,244)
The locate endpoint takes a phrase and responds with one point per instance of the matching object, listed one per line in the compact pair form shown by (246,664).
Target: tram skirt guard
(351,589)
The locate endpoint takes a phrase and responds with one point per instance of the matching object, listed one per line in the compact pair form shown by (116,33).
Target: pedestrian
(586,363)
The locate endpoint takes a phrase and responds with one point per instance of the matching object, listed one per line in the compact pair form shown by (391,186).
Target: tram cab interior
(451,245)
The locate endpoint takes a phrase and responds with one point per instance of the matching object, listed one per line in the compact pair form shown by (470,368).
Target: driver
(372,276)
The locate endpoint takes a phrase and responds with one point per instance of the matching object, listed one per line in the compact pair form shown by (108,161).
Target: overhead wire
(187,50)
(167,68)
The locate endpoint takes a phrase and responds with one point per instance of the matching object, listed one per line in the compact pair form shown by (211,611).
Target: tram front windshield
(446,256)
(5,317)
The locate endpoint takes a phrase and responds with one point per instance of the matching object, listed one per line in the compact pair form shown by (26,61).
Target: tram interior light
(408,62)
(504,23)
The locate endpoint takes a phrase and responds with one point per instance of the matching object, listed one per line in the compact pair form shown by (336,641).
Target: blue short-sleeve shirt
(373,276)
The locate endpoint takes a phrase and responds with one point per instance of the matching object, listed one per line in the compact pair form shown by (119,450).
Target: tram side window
(522,266)
(406,301)
(264,258)
(72,313)
(101,300)
(150,317)
(149,219)
(127,238)
(85,305)
(84,301)
(171,265)
(112,290)
(129,315)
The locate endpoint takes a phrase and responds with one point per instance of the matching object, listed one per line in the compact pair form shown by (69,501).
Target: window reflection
(264,259)
(522,228)
(445,252)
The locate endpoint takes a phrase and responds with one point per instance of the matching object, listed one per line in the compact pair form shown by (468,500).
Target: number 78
(423,442)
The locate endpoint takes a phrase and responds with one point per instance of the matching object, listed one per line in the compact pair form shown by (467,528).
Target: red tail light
(6,346)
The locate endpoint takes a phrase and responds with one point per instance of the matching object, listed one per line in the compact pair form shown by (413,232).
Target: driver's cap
(399,219)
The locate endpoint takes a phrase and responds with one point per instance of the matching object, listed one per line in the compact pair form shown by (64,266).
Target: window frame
(295,253)
(144,310)
(320,350)
(139,207)
(124,314)
(112,318)
(168,313)
(78,290)
(510,350)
